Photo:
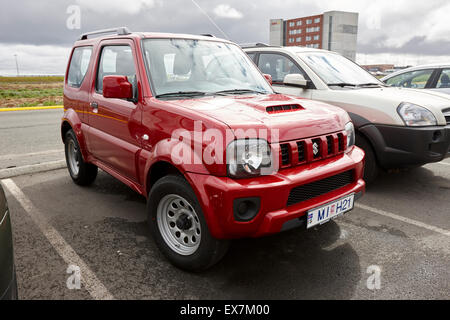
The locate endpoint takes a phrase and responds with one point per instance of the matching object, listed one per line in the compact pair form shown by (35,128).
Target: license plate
(330,211)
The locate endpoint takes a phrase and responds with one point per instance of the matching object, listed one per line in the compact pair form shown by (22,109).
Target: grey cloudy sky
(400,31)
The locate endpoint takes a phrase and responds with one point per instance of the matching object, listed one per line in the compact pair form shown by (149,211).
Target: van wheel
(82,173)
(371,168)
(179,228)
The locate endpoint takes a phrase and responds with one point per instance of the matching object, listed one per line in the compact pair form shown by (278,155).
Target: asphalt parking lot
(400,227)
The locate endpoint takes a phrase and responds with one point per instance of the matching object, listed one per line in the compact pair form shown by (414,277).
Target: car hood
(379,105)
(312,118)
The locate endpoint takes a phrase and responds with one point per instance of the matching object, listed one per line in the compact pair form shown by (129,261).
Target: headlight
(248,157)
(415,115)
(350,129)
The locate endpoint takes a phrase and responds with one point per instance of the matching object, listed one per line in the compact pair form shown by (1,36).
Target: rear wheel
(82,173)
(371,168)
(179,228)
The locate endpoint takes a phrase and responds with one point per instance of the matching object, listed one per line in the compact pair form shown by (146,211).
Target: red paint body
(117,87)
(111,137)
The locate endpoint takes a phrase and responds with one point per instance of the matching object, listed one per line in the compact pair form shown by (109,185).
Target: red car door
(113,135)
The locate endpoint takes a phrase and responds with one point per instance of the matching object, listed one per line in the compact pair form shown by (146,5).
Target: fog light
(436,136)
(245,209)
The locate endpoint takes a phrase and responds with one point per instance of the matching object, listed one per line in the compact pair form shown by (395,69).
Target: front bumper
(400,146)
(217,195)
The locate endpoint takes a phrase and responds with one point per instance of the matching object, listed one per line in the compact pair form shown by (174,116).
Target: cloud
(131,7)
(226,11)
(400,59)
(33,59)
(387,29)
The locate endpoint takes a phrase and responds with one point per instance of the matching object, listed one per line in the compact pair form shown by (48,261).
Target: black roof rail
(254,45)
(121,31)
(208,35)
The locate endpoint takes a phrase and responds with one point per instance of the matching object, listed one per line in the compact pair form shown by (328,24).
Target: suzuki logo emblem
(315,148)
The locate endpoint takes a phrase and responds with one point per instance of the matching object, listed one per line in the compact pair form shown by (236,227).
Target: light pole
(17,65)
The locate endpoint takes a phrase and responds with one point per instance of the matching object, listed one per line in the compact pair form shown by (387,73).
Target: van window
(79,66)
(277,66)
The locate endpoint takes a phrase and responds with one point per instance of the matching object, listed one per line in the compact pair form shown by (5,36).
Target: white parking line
(92,284)
(403,219)
(31,154)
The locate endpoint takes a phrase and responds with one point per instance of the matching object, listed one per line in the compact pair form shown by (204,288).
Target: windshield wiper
(181,94)
(371,84)
(343,84)
(239,91)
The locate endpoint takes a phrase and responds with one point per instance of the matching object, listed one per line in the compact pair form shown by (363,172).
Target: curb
(31,169)
(31,108)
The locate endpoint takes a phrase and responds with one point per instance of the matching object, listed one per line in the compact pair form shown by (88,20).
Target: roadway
(400,227)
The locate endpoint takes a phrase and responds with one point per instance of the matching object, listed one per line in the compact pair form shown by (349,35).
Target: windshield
(196,67)
(335,69)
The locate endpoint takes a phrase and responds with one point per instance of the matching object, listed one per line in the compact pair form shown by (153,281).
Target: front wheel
(371,168)
(82,173)
(179,228)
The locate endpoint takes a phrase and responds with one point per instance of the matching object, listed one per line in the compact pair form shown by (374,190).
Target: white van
(396,127)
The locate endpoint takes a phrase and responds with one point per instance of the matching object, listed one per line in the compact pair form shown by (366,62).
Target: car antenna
(210,19)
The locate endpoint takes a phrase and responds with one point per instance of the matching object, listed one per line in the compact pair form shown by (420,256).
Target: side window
(79,66)
(251,55)
(444,79)
(277,66)
(116,61)
(414,79)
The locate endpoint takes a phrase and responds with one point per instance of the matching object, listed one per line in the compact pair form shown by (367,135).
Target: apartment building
(333,30)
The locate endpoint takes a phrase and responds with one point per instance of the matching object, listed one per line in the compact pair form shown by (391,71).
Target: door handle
(94,105)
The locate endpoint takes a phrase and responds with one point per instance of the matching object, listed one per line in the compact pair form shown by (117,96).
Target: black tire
(87,172)
(371,168)
(209,251)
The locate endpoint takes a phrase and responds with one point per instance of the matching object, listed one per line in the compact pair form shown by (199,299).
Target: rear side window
(252,55)
(79,66)
(444,79)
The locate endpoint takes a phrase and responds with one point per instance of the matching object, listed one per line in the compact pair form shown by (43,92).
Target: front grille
(447,118)
(341,142)
(312,149)
(446,113)
(330,145)
(285,154)
(301,151)
(320,187)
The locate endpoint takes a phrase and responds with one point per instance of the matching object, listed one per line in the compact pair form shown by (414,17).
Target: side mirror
(117,87)
(268,78)
(296,80)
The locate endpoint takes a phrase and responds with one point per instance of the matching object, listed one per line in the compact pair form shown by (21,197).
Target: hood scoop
(285,108)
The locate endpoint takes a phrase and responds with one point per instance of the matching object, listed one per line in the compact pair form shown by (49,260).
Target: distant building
(378,67)
(334,30)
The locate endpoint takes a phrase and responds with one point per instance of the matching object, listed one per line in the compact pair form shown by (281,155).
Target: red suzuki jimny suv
(190,123)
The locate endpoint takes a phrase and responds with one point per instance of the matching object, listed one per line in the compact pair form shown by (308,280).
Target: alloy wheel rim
(179,224)
(73,155)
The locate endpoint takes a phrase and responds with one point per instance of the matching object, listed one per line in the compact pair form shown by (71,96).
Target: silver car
(433,77)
